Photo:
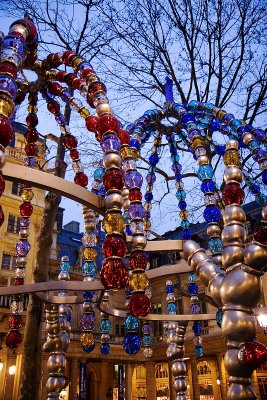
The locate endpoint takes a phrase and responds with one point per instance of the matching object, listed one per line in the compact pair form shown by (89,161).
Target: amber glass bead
(6,131)
(26,209)
(113,274)
(138,260)
(147,225)
(31,149)
(135,194)
(260,233)
(32,109)
(81,179)
(139,305)
(32,120)
(124,136)
(114,223)
(231,157)
(27,195)
(138,281)
(233,194)
(91,123)
(157,141)
(8,68)
(131,152)
(70,142)
(114,246)
(6,107)
(183,214)
(221,114)
(87,339)
(53,106)
(113,179)
(107,123)
(31,135)
(198,142)
(84,113)
(89,253)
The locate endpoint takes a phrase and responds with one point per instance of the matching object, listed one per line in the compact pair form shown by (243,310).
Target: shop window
(16,188)
(13,224)
(161,372)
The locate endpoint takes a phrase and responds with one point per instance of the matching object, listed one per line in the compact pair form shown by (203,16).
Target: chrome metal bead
(178,368)
(199,257)
(111,160)
(217,259)
(139,242)
(203,160)
(113,201)
(180,385)
(238,326)
(264,212)
(55,385)
(255,256)
(21,261)
(232,254)
(247,137)
(213,230)
(125,192)
(103,108)
(126,204)
(231,144)
(20,29)
(206,271)
(233,174)
(214,289)
(234,213)
(189,247)
(234,233)
(56,363)
(105,338)
(171,350)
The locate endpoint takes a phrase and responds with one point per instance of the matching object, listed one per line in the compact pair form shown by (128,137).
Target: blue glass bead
(249,128)
(173,150)
(82,66)
(197,328)
(175,158)
(147,340)
(215,126)
(242,144)
(185,224)
(99,173)
(135,143)
(95,191)
(104,349)
(14,43)
(132,343)
(29,161)
(198,352)
(205,172)
(253,145)
(110,142)
(131,323)
(259,135)
(255,189)
(178,177)
(105,325)
(133,179)
(23,247)
(191,277)
(68,317)
(8,84)
(171,308)
(235,124)
(258,154)
(208,106)
(65,266)
(88,294)
(219,316)
(182,205)
(227,118)
(180,195)
(153,159)
(102,191)
(186,234)
(88,349)
(212,214)
(60,119)
(193,104)
(89,268)
(215,245)
(192,288)
(195,308)
(148,197)
(261,198)
(136,210)
(240,130)
(220,150)
(128,230)
(66,96)
(264,177)
(151,178)
(24,222)
(169,288)
(188,118)
(177,168)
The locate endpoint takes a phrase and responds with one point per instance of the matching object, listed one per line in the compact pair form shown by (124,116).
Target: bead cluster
(105,327)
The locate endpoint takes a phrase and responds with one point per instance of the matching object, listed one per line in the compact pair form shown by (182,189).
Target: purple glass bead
(151,178)
(87,322)
(29,161)
(110,142)
(195,308)
(228,118)
(23,247)
(60,119)
(259,135)
(136,211)
(258,154)
(133,179)
(66,96)
(14,43)
(177,168)
(147,215)
(24,222)
(147,329)
(193,133)
(9,85)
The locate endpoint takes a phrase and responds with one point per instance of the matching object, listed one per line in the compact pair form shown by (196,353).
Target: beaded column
(175,350)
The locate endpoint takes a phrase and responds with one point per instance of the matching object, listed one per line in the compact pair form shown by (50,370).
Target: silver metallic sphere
(232,254)
(112,160)
(189,247)
(113,201)
(234,213)
(234,233)
(233,174)
(139,242)
(255,256)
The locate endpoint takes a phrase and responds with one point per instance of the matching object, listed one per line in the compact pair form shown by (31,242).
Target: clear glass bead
(16,307)
(75,104)
(100,98)
(179,185)
(89,240)
(209,199)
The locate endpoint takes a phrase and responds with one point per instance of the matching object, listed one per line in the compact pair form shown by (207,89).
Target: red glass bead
(32,36)
(26,209)
(69,78)
(96,87)
(32,120)
(138,260)
(233,194)
(31,149)
(139,305)
(2,185)
(17,35)
(74,154)
(113,179)
(20,97)
(135,195)
(53,106)
(9,68)
(124,136)
(114,246)
(31,58)
(18,281)
(107,123)
(254,354)
(54,88)
(81,179)
(260,233)
(60,76)
(113,274)
(15,322)
(31,135)
(87,71)
(91,123)
(77,83)
(67,55)
(33,98)
(6,131)
(70,142)
(2,216)
(13,339)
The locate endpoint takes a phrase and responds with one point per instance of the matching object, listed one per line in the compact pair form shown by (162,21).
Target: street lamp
(12,370)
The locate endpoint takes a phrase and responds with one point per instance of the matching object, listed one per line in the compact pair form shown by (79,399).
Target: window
(119,327)
(6,261)
(155,263)
(179,306)
(161,372)
(13,224)
(16,188)
(156,308)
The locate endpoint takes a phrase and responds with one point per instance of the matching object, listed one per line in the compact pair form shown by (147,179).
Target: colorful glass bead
(132,343)
(89,268)
(87,322)
(114,246)
(104,348)
(114,223)
(87,339)
(198,351)
(113,179)
(6,131)
(205,172)
(139,305)
(138,260)
(91,123)
(89,253)
(231,157)
(23,247)
(219,316)
(197,328)
(233,194)
(192,289)
(133,179)
(113,274)
(131,322)
(260,233)
(124,136)
(208,186)
(81,179)
(15,321)
(70,142)
(138,281)
(171,308)
(88,349)
(13,339)
(107,123)
(254,354)
(215,245)
(195,308)
(105,325)
(147,340)
(212,214)
(136,211)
